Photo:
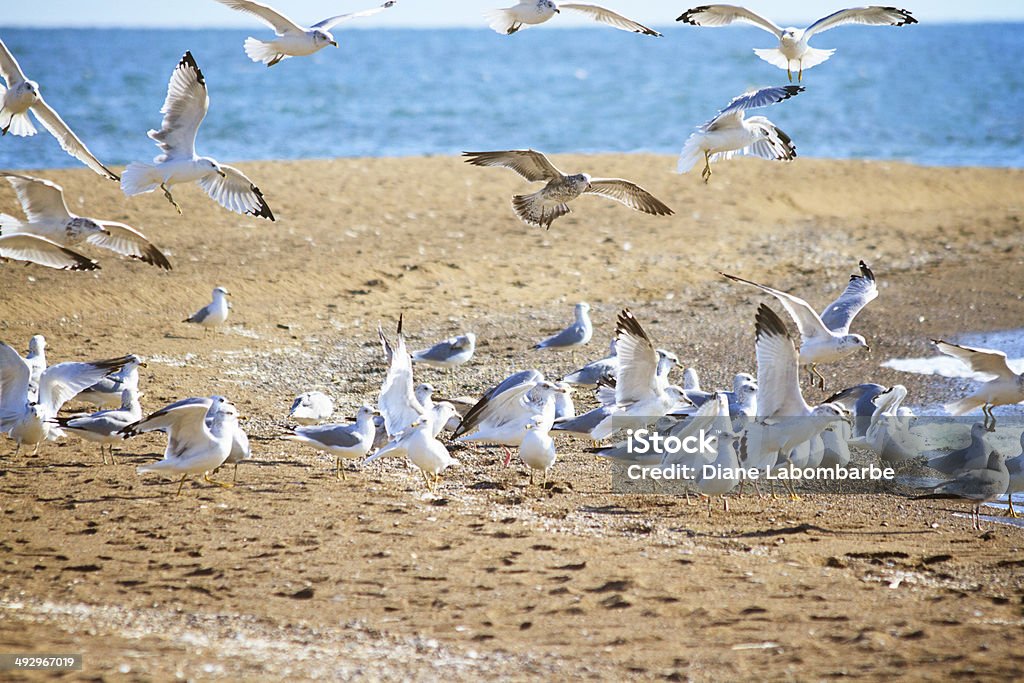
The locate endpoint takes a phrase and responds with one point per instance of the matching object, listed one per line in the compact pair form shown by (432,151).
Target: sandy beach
(294,574)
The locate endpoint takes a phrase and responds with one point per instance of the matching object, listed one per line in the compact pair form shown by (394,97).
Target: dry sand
(294,574)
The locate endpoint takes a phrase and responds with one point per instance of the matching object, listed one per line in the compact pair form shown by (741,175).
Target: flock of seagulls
(762,422)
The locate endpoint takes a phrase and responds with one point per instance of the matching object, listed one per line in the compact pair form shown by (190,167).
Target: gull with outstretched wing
(532,12)
(1005,388)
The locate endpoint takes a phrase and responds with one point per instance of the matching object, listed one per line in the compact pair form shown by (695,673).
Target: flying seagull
(551,201)
(729,134)
(826,338)
(184,111)
(1006,387)
(793,48)
(533,12)
(292,39)
(43,252)
(47,215)
(22,95)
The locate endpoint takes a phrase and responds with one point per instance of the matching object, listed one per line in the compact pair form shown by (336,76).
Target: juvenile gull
(311,407)
(184,110)
(532,12)
(1006,388)
(104,427)
(193,446)
(826,338)
(214,313)
(551,201)
(730,134)
(575,335)
(47,215)
(502,419)
(292,39)
(21,96)
(793,49)
(43,252)
(350,441)
(977,486)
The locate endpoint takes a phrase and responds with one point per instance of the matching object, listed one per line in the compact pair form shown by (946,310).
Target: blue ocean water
(941,94)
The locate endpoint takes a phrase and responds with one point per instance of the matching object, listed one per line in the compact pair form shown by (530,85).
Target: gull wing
(723,15)
(331,22)
(630,194)
(866,16)
(39,250)
(184,110)
(753,99)
(62,382)
(41,200)
(636,378)
(9,67)
(532,165)
(778,368)
(860,291)
(69,142)
(606,16)
(235,192)
(807,320)
(397,402)
(184,422)
(268,15)
(14,379)
(127,241)
(987,361)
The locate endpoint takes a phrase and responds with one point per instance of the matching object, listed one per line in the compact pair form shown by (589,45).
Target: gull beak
(143,364)
(867,348)
(558,11)
(334,43)
(221,173)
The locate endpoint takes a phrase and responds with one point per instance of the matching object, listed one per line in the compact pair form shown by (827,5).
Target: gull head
(135,362)
(323,38)
(854,342)
(423,391)
(666,361)
(445,412)
(27,89)
(676,393)
(83,227)
(466,341)
(210,166)
(220,291)
(365,413)
(582,307)
(791,34)
(36,344)
(834,411)
(580,182)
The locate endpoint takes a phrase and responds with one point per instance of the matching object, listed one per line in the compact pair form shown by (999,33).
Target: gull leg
(792,491)
(234,477)
(725,504)
(1010,512)
(425,480)
(800,74)
(817,373)
(544,481)
(531,476)
(789,74)
(706,173)
(277,58)
(508,456)
(222,484)
(743,483)
(103,455)
(180,484)
(35,451)
(708,499)
(167,193)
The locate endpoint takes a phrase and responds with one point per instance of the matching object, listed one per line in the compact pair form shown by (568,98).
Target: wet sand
(295,574)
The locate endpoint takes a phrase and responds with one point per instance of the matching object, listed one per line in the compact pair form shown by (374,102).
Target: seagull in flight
(1006,387)
(184,110)
(532,12)
(43,252)
(551,201)
(793,49)
(21,96)
(292,39)
(729,134)
(47,215)
(826,338)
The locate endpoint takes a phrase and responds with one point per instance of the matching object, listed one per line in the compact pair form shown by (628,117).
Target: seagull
(888,433)
(422,448)
(351,441)
(972,457)
(532,12)
(240,450)
(472,417)
(47,216)
(193,446)
(793,45)
(729,134)
(108,391)
(22,95)
(29,420)
(292,39)
(36,360)
(184,111)
(104,427)
(537,449)
(400,403)
(784,419)
(43,252)
(575,335)
(826,338)
(642,394)
(311,407)
(214,313)
(1006,388)
(977,486)
(448,354)
(860,401)
(551,201)
(591,374)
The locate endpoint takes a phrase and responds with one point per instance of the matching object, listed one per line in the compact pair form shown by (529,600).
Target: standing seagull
(184,110)
(292,39)
(47,215)
(793,45)
(551,201)
(351,441)
(1006,388)
(22,95)
(105,426)
(214,313)
(730,134)
(533,12)
(826,338)
(977,486)
(575,335)
(43,252)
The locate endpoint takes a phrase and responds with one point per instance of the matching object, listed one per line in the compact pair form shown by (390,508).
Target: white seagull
(22,95)
(214,313)
(642,394)
(551,201)
(108,391)
(793,50)
(729,134)
(537,449)
(532,12)
(400,403)
(184,110)
(311,407)
(30,420)
(422,448)
(448,354)
(43,252)
(826,338)
(193,446)
(104,427)
(36,360)
(350,441)
(47,215)
(1006,387)
(292,39)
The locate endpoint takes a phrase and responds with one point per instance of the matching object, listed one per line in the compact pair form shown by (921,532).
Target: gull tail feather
(502,21)
(964,405)
(139,178)
(814,57)
(9,224)
(19,124)
(532,209)
(262,51)
(691,154)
